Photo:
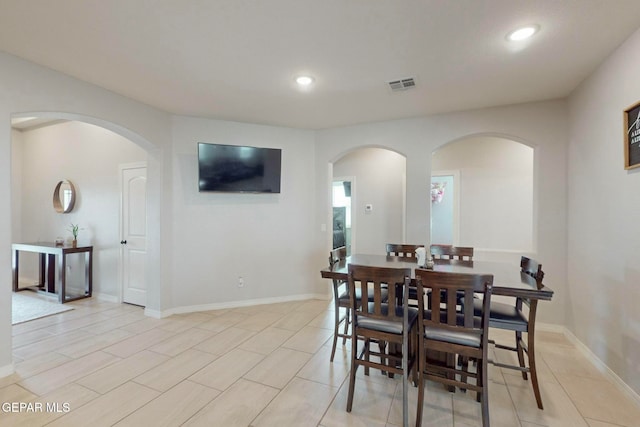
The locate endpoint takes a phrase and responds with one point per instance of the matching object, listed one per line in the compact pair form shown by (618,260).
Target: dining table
(508,279)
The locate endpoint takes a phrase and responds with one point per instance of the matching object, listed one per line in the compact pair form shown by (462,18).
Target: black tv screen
(239,169)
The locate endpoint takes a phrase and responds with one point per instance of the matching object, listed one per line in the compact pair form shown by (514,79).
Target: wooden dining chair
(403,250)
(447,331)
(407,251)
(462,253)
(382,321)
(514,317)
(341,301)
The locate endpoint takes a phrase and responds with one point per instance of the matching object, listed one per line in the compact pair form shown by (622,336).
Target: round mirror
(64,197)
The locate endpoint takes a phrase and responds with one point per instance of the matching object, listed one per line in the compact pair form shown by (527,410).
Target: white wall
(16,185)
(496,192)
(379,181)
(89,157)
(265,238)
(604,212)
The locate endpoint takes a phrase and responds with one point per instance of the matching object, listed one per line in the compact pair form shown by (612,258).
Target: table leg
(16,259)
(88,272)
(62,274)
(51,273)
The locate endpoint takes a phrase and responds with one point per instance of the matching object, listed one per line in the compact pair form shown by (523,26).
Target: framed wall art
(632,137)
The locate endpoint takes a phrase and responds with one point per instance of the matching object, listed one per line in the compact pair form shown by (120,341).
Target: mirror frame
(57,205)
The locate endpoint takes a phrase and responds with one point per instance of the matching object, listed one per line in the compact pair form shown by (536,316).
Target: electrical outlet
(240,282)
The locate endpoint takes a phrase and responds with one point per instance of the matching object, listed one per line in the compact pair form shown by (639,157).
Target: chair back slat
(402,250)
(336,255)
(532,267)
(458,290)
(376,281)
(462,253)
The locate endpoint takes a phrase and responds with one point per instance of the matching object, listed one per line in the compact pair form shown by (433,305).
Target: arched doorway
(88,151)
(376,213)
(487,185)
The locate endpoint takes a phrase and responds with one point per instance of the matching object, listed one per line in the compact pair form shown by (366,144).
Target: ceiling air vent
(402,84)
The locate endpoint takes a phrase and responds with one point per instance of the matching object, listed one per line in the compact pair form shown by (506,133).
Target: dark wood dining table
(508,280)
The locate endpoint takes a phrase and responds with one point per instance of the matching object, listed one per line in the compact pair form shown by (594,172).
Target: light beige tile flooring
(106,364)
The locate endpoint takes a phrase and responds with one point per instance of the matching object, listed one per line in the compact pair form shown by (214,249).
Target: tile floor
(106,364)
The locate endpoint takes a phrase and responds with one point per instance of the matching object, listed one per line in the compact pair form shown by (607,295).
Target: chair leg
(463,361)
(484,394)
(520,351)
(405,381)
(451,363)
(336,327)
(532,368)
(347,321)
(421,363)
(382,346)
(352,373)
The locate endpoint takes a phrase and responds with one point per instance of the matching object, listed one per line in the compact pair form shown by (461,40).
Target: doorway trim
(155,155)
(353,220)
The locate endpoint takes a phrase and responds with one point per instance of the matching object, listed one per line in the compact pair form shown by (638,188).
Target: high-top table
(49,279)
(508,280)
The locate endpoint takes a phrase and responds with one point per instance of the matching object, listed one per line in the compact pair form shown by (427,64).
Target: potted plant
(74,230)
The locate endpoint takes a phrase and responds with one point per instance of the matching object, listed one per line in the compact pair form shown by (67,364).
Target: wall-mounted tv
(238,169)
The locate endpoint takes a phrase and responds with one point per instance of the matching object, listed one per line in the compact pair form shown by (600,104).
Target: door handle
(123,242)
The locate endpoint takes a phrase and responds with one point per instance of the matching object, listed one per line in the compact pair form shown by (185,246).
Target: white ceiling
(236,59)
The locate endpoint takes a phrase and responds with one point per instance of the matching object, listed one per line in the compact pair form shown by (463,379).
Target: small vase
(74,243)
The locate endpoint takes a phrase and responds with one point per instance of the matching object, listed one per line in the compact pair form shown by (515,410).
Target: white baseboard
(7,370)
(106,298)
(231,304)
(550,327)
(156,314)
(595,360)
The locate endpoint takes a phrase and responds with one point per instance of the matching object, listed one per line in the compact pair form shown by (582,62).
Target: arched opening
(483,192)
(49,147)
(374,211)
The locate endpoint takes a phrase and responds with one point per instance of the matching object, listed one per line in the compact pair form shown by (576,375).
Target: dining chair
(386,321)
(407,251)
(341,300)
(514,317)
(403,250)
(462,253)
(444,330)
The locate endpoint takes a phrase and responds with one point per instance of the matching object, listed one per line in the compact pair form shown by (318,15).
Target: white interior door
(134,233)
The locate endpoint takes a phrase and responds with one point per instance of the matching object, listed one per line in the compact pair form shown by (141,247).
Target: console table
(50,280)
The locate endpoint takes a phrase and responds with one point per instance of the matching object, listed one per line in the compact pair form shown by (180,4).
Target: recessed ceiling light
(522,33)
(304,81)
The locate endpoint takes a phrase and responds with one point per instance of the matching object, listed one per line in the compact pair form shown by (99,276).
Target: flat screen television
(238,169)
